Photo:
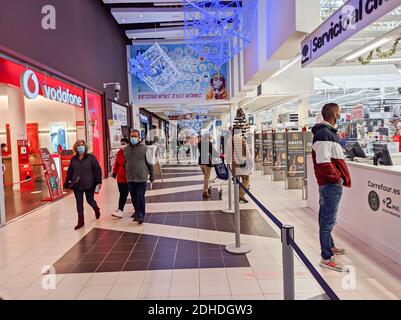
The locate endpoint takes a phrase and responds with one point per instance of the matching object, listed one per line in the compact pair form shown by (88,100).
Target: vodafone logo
(30,86)
(25,77)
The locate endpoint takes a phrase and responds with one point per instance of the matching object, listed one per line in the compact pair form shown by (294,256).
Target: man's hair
(328,110)
(136,130)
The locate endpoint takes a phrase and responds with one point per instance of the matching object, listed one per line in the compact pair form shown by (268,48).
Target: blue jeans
(137,190)
(330,196)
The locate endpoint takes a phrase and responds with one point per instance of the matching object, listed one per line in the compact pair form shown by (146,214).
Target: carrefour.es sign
(49,92)
(352,17)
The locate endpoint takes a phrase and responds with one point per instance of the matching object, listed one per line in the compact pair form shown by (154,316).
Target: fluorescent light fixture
(364,50)
(386,60)
(287,66)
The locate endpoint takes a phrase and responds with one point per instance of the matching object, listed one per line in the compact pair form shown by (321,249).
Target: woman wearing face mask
(120,174)
(84,176)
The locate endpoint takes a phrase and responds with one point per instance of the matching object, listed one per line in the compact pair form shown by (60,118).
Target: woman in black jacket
(84,175)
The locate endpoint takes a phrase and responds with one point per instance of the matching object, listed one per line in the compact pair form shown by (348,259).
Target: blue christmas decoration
(155,68)
(218,30)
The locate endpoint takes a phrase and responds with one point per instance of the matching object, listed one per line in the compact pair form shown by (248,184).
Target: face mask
(81,149)
(123,146)
(134,141)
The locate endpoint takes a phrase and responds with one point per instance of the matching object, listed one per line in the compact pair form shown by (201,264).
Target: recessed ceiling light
(141,15)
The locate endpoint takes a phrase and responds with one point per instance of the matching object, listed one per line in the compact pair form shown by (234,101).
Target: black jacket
(83,174)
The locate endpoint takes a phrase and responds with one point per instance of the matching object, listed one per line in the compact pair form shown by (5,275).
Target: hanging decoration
(155,68)
(380,53)
(218,30)
(240,122)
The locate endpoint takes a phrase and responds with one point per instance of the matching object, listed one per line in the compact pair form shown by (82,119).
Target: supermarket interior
(272,126)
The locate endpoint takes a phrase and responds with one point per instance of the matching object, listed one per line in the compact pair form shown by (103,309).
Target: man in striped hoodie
(332,175)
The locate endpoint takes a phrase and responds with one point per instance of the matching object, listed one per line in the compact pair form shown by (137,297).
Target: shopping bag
(221,171)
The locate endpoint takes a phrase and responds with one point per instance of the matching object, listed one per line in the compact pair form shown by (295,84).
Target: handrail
(324,285)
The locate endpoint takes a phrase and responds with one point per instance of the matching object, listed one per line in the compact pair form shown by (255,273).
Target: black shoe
(97,213)
(140,221)
(80,224)
(243,200)
(133,216)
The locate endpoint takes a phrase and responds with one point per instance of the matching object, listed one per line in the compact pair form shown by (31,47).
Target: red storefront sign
(36,83)
(52,179)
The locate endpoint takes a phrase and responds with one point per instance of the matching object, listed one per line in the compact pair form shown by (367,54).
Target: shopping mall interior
(182,77)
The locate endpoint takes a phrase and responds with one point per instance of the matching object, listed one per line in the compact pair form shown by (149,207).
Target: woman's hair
(218,76)
(77,143)
(125,140)
(3,145)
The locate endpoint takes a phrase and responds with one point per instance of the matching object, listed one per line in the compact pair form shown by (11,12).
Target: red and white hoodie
(328,156)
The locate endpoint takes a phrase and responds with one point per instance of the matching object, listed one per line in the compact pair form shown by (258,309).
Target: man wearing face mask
(332,175)
(121,176)
(138,166)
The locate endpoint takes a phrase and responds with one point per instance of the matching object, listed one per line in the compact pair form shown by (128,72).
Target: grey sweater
(138,163)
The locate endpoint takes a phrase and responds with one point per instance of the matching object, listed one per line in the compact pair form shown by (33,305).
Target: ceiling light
(364,50)
(141,15)
(287,66)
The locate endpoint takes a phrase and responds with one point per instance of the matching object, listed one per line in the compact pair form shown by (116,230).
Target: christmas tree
(240,122)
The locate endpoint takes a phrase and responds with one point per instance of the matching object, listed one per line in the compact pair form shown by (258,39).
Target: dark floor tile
(100,249)
(85,267)
(186,264)
(189,224)
(127,240)
(210,253)
(112,266)
(140,255)
(122,248)
(164,254)
(161,264)
(145,246)
(156,219)
(239,261)
(207,226)
(147,238)
(172,221)
(205,245)
(186,244)
(96,257)
(187,254)
(64,267)
(74,256)
(211,263)
(108,241)
(137,265)
(119,256)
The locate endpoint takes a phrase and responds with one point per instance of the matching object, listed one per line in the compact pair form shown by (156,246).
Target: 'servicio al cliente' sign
(352,17)
(49,92)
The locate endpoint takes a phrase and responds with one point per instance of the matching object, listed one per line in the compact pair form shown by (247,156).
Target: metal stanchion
(287,231)
(230,195)
(237,248)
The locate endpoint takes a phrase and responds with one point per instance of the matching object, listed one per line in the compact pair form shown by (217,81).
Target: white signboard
(120,114)
(352,17)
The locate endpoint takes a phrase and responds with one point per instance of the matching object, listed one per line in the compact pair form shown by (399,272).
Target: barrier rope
(24,181)
(324,285)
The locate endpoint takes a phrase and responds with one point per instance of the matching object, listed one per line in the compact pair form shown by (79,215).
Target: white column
(16,109)
(275,113)
(303,111)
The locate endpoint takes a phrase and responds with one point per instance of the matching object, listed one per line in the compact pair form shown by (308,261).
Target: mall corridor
(178,253)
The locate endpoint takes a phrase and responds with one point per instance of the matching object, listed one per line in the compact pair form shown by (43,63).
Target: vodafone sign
(34,83)
(49,92)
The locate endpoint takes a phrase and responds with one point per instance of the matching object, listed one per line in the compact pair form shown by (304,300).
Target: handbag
(221,171)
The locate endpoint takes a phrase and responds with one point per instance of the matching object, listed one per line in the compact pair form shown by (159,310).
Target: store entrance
(40,123)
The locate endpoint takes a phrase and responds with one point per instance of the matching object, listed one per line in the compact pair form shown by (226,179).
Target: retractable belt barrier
(25,181)
(291,242)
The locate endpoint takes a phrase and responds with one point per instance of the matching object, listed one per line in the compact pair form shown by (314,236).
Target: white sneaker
(118,214)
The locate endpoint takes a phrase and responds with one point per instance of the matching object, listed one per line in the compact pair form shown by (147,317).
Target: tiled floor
(91,263)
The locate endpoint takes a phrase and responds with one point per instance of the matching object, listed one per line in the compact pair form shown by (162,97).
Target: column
(303,105)
(16,109)
(275,114)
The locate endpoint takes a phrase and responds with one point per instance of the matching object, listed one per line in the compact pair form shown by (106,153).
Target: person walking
(119,173)
(332,175)
(238,155)
(84,176)
(138,165)
(207,154)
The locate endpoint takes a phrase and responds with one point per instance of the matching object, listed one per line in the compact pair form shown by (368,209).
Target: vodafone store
(41,117)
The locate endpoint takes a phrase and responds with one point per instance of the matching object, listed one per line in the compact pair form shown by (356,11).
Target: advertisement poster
(51,174)
(279,152)
(258,147)
(120,114)
(308,142)
(295,152)
(80,125)
(267,144)
(201,81)
(32,132)
(58,136)
(115,133)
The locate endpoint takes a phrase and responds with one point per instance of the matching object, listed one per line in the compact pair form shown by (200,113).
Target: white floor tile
(178,289)
(214,288)
(154,290)
(124,291)
(94,292)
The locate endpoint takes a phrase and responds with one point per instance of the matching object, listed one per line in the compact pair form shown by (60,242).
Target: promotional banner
(295,152)
(58,136)
(267,145)
(201,81)
(52,178)
(120,114)
(279,152)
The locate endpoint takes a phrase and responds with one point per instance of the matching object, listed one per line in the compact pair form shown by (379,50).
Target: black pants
(90,198)
(138,190)
(124,191)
